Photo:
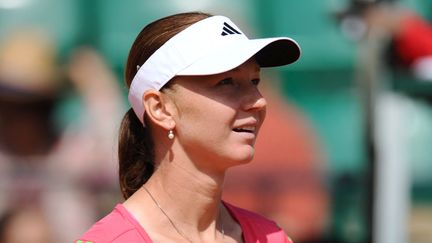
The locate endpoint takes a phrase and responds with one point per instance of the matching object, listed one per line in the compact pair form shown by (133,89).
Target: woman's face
(218,116)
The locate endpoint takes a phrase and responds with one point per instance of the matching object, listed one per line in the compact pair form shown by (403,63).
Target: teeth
(245,129)
(249,128)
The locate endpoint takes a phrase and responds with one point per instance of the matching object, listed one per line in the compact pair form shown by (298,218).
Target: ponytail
(136,154)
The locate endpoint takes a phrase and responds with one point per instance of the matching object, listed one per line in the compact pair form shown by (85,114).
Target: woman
(197,110)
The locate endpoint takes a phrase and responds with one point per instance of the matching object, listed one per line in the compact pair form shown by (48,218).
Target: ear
(157,110)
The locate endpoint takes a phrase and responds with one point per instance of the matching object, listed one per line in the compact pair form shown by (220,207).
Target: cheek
(204,115)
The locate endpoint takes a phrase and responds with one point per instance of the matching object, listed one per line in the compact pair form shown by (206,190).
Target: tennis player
(196,111)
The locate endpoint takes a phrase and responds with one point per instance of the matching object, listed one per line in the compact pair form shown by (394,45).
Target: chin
(243,156)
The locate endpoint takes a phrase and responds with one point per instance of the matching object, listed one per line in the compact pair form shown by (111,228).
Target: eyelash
(256,81)
(226,81)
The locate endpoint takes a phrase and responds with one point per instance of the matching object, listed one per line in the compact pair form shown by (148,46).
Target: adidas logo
(229,30)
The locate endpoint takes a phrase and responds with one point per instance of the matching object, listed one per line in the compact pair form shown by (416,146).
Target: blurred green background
(322,84)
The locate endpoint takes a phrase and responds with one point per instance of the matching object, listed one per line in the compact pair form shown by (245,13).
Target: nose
(254,101)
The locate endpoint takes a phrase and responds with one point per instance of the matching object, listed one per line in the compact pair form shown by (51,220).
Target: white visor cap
(210,46)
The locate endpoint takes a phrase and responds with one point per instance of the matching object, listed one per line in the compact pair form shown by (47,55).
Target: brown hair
(135,149)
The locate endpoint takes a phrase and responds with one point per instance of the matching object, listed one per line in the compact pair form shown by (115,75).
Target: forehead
(251,64)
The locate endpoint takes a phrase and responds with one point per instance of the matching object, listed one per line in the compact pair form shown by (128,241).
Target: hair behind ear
(136,155)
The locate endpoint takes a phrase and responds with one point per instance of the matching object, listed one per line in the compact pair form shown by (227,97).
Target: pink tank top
(120,226)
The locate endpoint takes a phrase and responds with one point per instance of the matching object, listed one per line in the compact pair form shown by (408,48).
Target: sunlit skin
(215,120)
(218,117)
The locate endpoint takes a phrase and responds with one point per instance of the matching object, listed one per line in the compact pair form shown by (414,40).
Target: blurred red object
(413,40)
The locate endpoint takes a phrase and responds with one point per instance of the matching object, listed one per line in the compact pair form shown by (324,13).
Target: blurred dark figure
(63,171)
(27,97)
(409,36)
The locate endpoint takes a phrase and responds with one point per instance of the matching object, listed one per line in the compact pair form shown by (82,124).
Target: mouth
(246,129)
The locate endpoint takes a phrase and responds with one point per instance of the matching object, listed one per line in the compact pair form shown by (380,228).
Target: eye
(255,81)
(226,81)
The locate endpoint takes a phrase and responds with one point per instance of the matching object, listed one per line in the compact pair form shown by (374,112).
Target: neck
(178,185)
(187,196)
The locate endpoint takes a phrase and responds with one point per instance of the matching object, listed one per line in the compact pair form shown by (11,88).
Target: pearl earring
(171,134)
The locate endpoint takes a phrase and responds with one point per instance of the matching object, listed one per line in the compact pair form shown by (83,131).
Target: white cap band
(210,46)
